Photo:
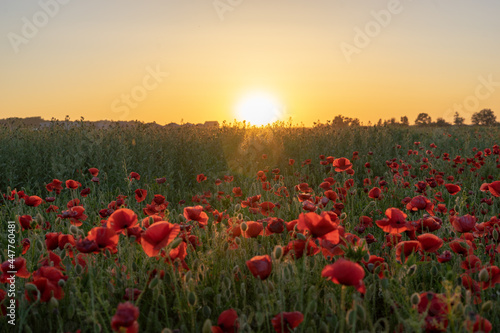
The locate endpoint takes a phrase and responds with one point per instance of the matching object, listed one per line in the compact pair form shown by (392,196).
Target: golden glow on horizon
(259,108)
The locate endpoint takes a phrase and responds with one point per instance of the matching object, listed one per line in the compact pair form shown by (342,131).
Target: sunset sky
(197,60)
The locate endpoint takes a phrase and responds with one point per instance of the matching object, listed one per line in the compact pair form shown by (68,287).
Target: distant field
(415,211)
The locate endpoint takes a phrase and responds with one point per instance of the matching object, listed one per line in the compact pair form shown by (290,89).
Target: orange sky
(365,59)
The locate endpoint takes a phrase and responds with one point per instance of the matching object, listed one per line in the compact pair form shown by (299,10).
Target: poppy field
(238,229)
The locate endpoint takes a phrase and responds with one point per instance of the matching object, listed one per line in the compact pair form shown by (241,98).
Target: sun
(259,108)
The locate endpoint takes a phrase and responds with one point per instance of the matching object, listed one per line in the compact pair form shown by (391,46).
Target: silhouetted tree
(405,121)
(442,122)
(423,119)
(457,120)
(484,117)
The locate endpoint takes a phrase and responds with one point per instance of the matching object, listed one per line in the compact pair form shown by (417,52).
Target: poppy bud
(53,303)
(39,246)
(367,257)
(244,227)
(61,283)
(372,203)
(278,252)
(361,311)
(495,235)
(301,236)
(487,306)
(31,287)
(351,317)
(176,242)
(415,299)
(207,326)
(153,283)
(206,311)
(370,267)
(39,219)
(78,269)
(237,240)
(483,275)
(73,229)
(191,298)
(343,216)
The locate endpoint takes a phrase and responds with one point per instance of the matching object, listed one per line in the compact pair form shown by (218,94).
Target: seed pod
(483,275)
(207,326)
(191,298)
(278,252)
(415,299)
(244,227)
(176,242)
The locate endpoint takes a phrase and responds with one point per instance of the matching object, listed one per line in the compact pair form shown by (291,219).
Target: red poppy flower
(75,215)
(420,203)
(121,220)
(86,246)
(134,175)
(266,208)
(18,266)
(285,322)
(227,322)
(405,249)
(429,242)
(201,178)
(237,192)
(444,257)
(347,273)
(260,266)
(471,263)
(320,226)
(464,223)
(460,246)
(161,180)
(375,262)
(494,188)
(430,224)
(26,245)
(149,220)
(105,238)
(25,222)
(72,184)
(299,246)
(125,318)
(342,164)
(395,222)
(452,188)
(158,236)
(140,195)
(196,213)
(375,193)
(46,279)
(55,185)
(85,192)
(33,200)
(254,229)
(52,260)
(493,277)
(94,172)
(479,324)
(437,311)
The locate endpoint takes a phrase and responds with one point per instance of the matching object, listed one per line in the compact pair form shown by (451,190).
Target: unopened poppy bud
(61,283)
(351,317)
(191,298)
(39,219)
(31,287)
(301,236)
(207,326)
(343,216)
(413,269)
(108,253)
(487,306)
(495,234)
(153,283)
(237,240)
(78,269)
(53,303)
(372,203)
(278,252)
(415,299)
(57,220)
(361,311)
(73,229)
(370,267)
(176,242)
(366,257)
(244,227)
(206,311)
(483,275)
(39,246)
(450,276)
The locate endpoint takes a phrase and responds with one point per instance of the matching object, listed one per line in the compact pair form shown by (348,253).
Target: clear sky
(195,60)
